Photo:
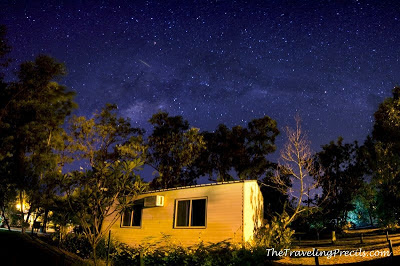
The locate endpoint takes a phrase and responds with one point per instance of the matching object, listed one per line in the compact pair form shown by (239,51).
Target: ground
(22,249)
(373,240)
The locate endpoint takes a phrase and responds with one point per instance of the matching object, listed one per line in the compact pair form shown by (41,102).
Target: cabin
(211,213)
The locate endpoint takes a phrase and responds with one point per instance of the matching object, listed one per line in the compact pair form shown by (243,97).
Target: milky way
(217,62)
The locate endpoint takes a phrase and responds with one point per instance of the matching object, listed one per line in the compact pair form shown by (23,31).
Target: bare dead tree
(296,161)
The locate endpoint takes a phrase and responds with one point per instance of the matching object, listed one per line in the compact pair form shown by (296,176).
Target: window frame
(190,213)
(132,211)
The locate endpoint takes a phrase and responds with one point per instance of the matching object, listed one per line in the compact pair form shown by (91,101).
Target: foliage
(341,176)
(112,184)
(275,199)
(317,222)
(217,157)
(122,254)
(77,244)
(8,195)
(104,137)
(384,158)
(33,109)
(222,253)
(259,141)
(169,253)
(275,234)
(243,150)
(365,203)
(173,146)
(387,119)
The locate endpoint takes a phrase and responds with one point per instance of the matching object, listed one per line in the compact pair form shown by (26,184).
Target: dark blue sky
(221,61)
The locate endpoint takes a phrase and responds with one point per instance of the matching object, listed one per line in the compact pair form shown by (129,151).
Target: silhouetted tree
(32,113)
(384,151)
(340,177)
(238,152)
(173,147)
(7,188)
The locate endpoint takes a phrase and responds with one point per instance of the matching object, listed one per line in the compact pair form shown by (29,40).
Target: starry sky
(216,62)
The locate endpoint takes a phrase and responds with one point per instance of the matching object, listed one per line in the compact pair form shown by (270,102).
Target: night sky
(217,62)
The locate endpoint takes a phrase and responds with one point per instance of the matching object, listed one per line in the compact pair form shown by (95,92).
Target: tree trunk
(94,254)
(34,221)
(20,158)
(370,219)
(22,211)
(45,218)
(28,215)
(3,213)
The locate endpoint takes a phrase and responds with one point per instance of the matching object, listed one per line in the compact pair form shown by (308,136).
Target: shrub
(122,254)
(77,244)
(392,226)
(167,252)
(222,253)
(274,234)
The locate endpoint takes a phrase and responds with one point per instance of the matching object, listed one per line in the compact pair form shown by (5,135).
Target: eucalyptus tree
(384,147)
(114,153)
(33,110)
(173,147)
(341,178)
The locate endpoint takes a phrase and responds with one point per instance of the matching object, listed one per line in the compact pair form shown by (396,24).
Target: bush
(275,234)
(122,254)
(392,227)
(222,253)
(77,244)
(166,252)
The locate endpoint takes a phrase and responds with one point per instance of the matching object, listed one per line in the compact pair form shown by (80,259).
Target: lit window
(190,213)
(132,216)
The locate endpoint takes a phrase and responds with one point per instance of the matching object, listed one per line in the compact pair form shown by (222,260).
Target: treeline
(40,142)
(39,138)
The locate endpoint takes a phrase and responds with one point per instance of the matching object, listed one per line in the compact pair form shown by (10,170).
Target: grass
(22,249)
(373,240)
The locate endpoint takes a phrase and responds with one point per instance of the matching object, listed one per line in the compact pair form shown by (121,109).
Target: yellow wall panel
(224,216)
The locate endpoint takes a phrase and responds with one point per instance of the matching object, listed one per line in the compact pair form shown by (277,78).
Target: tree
(7,196)
(7,189)
(100,193)
(341,177)
(173,147)
(33,110)
(384,151)
(259,141)
(296,163)
(365,203)
(114,151)
(238,152)
(387,120)
(241,152)
(62,216)
(216,158)
(275,195)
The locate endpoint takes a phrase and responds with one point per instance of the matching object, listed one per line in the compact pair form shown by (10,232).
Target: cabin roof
(200,185)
